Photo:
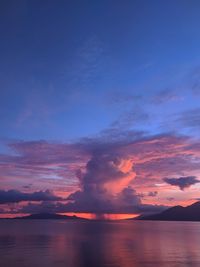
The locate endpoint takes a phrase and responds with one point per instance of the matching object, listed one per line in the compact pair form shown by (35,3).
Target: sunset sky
(99,106)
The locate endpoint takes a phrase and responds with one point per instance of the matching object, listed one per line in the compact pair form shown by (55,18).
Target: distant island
(48,216)
(177,213)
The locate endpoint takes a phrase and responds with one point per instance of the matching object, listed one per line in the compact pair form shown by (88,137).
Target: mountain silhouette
(177,213)
(49,216)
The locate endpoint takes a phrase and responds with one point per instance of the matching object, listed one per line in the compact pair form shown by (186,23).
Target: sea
(70,243)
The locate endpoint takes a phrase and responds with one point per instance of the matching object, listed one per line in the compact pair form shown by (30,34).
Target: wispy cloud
(166,95)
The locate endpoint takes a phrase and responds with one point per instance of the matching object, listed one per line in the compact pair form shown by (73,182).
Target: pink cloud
(101,169)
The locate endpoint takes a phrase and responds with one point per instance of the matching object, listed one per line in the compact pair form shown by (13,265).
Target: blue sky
(64,64)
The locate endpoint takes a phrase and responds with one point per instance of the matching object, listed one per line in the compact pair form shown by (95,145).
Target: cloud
(130,118)
(15,196)
(43,207)
(152,156)
(105,174)
(122,98)
(88,62)
(152,194)
(170,198)
(58,207)
(104,186)
(166,95)
(28,186)
(49,164)
(182,182)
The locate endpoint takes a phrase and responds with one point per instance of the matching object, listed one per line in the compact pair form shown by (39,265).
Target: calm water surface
(95,244)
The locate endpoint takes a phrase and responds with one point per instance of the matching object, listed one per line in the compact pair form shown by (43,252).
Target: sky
(99,106)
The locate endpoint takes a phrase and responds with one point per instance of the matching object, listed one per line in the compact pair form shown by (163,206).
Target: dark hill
(177,213)
(48,216)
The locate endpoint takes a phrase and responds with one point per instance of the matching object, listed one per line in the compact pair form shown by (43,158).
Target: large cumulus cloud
(103,185)
(106,187)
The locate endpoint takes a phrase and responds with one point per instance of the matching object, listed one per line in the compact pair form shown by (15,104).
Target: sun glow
(106,216)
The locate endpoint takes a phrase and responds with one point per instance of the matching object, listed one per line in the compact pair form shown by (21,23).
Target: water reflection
(95,244)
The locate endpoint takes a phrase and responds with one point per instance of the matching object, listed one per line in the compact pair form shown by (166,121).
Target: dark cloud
(152,194)
(12,196)
(28,186)
(170,198)
(149,194)
(43,207)
(182,182)
(58,207)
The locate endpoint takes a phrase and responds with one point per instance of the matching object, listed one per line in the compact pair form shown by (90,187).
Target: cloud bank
(110,173)
(15,196)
